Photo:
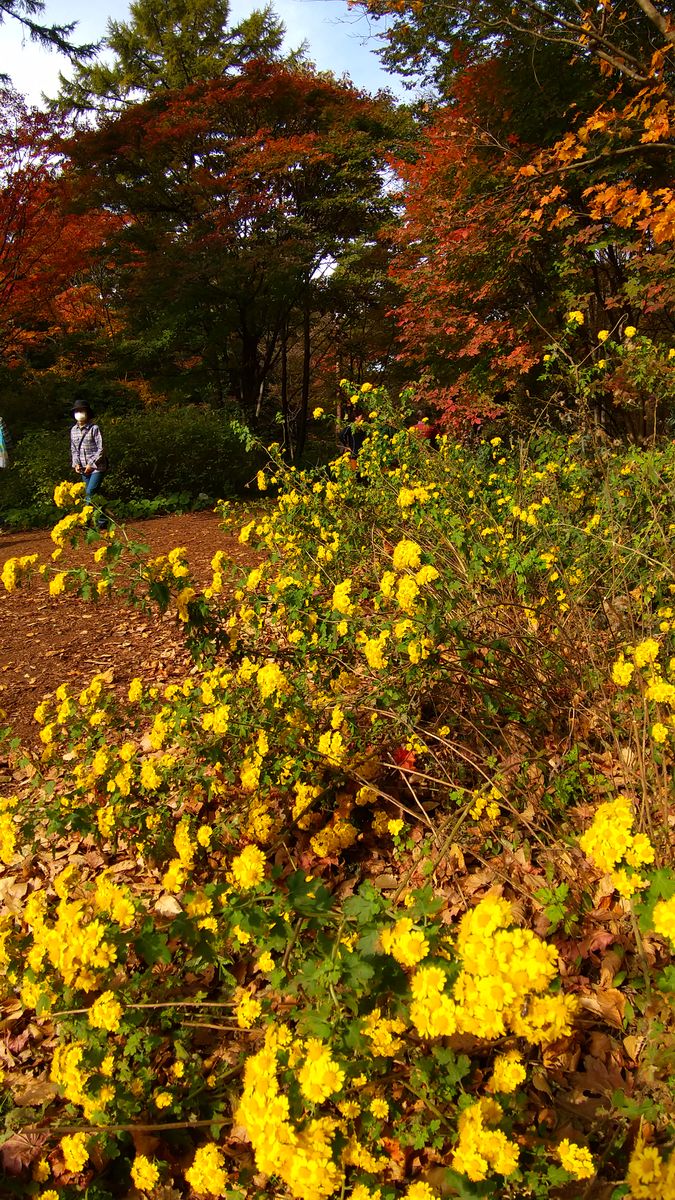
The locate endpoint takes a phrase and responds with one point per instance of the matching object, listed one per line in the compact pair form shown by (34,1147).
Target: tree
(44,245)
(169,44)
(435,41)
(235,195)
(55,37)
(543,185)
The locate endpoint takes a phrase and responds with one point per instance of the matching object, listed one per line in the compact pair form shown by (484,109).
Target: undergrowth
(378,902)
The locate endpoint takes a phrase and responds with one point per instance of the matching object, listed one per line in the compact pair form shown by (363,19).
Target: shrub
(154,455)
(447,664)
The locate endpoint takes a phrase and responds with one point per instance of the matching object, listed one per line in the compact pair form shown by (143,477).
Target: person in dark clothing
(353,434)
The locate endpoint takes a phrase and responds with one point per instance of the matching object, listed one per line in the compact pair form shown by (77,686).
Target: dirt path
(51,640)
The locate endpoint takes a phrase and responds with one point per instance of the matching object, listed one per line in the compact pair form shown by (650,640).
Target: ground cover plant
(376,901)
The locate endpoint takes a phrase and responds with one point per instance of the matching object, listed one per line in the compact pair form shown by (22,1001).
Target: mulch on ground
(49,640)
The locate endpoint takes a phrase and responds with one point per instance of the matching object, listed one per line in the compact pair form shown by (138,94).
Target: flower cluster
(481,1148)
(405,943)
(613,847)
(67,494)
(15,570)
(248,868)
(320,1076)
(207,1173)
(575,1159)
(663,919)
(502,987)
(649,1175)
(303,1159)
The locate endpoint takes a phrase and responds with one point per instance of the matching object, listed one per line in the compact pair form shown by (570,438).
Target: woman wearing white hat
(87,454)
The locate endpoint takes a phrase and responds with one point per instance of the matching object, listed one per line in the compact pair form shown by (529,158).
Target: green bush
(191,453)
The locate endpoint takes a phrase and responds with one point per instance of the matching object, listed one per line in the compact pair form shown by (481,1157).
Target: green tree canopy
(170,44)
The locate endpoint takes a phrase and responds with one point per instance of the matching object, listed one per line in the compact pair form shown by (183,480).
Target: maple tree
(548,162)
(234,195)
(44,244)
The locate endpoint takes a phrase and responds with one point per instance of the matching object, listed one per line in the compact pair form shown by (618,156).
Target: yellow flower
(630,331)
(420,1191)
(144,1173)
(622,672)
(407,555)
(646,652)
(74,1149)
(105,1013)
(659,732)
(58,584)
(318,412)
(207,1173)
(248,868)
(379,1108)
(342,601)
(508,1072)
(183,602)
(405,943)
(270,679)
(576,317)
(135,691)
(247,1010)
(204,835)
(603,334)
(41,1171)
(575,1159)
(320,1076)
(663,920)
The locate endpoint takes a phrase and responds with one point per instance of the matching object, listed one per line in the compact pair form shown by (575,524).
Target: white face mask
(80,417)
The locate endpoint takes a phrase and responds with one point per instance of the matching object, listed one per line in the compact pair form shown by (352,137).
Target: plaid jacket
(86,447)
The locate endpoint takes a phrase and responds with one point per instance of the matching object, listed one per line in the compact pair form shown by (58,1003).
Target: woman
(87,454)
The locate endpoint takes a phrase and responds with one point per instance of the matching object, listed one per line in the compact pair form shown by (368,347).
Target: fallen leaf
(167,906)
(34,1093)
(607,1003)
(20,1150)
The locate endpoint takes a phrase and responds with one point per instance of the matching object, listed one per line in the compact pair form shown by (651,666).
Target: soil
(48,640)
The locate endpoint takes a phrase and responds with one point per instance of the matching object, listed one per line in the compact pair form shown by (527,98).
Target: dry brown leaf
(633,1046)
(167,906)
(20,1150)
(34,1092)
(611,964)
(607,1003)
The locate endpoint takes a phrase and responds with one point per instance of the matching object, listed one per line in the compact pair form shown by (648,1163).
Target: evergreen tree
(53,37)
(170,44)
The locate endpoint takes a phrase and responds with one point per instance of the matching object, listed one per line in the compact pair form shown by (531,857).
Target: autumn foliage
(44,245)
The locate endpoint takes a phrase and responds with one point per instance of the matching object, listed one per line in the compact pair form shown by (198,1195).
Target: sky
(339,40)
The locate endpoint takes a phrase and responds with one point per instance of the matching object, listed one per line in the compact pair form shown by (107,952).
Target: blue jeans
(94,482)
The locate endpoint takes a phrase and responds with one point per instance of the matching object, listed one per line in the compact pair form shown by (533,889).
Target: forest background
(203,232)
(371,894)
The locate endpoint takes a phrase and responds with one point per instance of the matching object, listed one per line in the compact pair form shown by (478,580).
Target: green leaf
(152,946)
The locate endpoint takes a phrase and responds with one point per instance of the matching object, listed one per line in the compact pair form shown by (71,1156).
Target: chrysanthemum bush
(357,906)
